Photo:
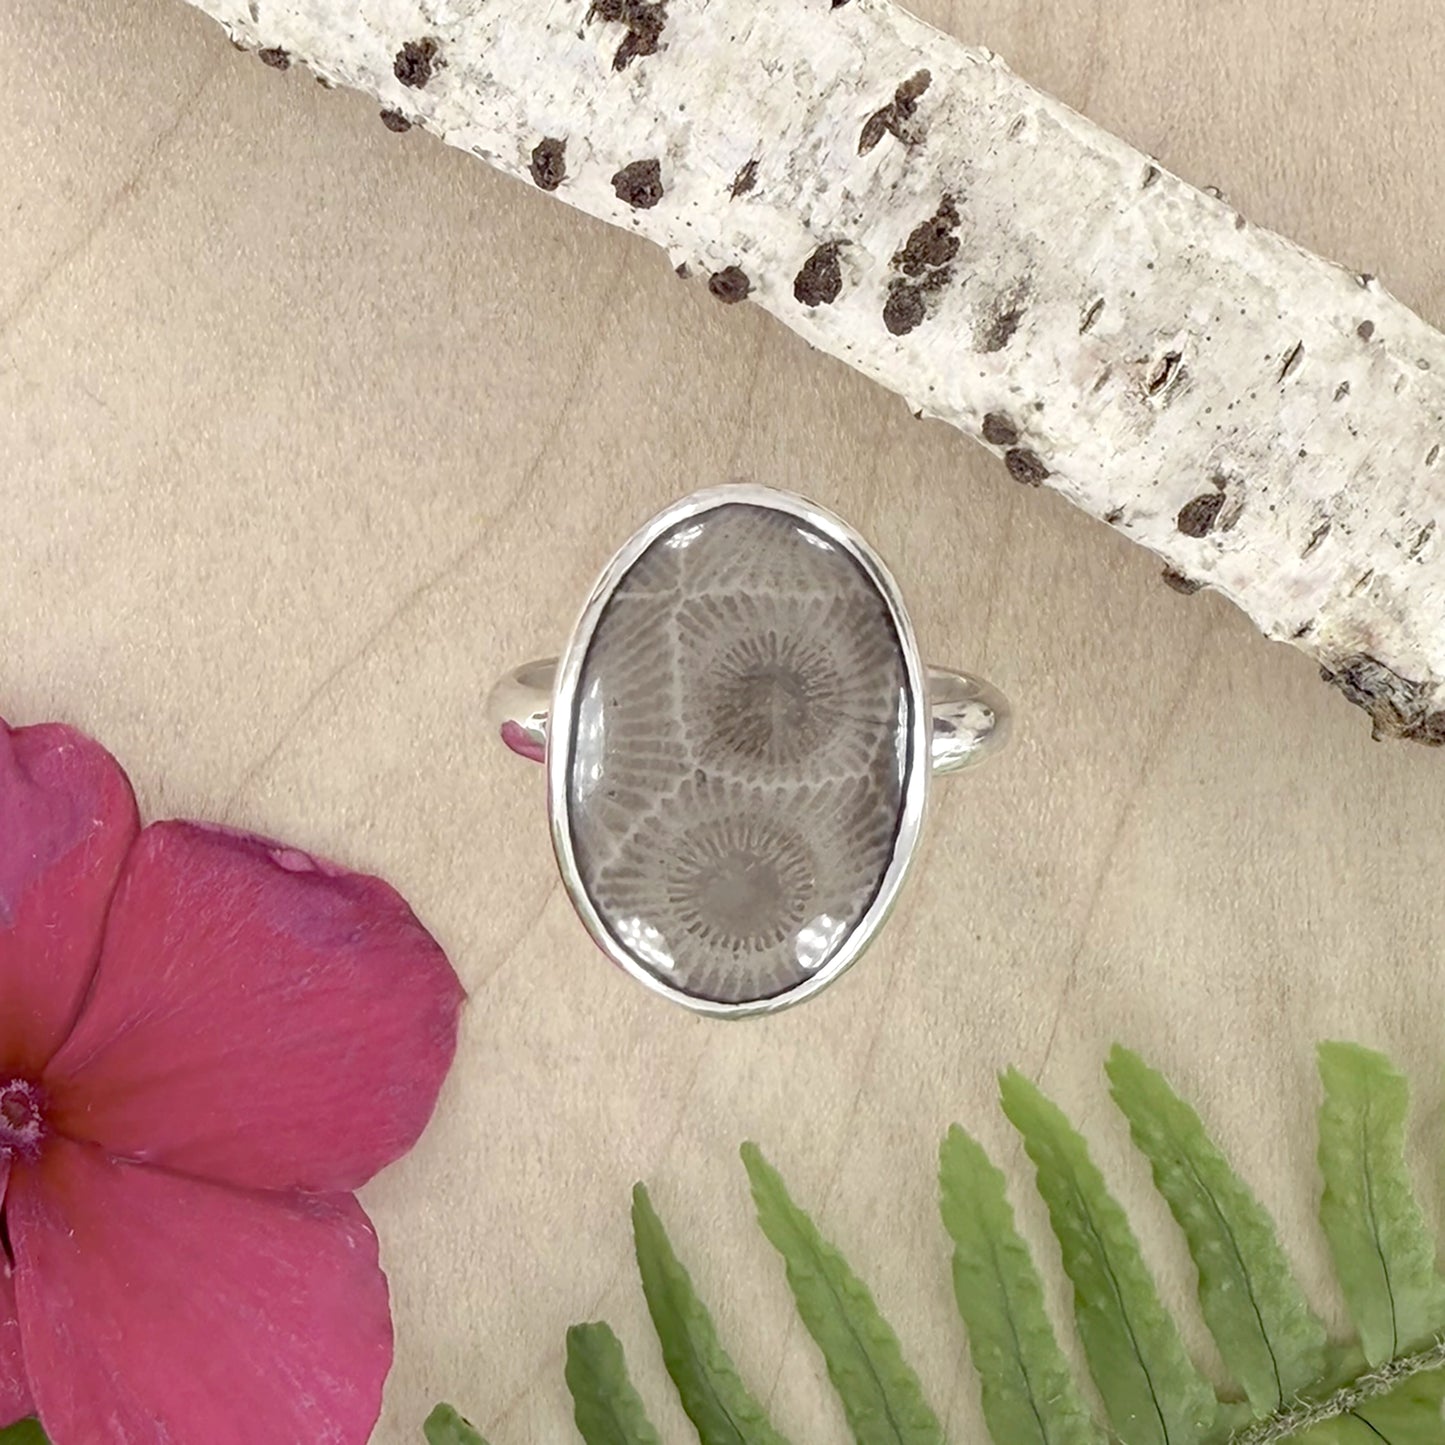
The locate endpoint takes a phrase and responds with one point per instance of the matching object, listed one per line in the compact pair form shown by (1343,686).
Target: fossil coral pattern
(740,753)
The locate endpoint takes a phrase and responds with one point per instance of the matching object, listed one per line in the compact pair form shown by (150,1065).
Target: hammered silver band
(971,719)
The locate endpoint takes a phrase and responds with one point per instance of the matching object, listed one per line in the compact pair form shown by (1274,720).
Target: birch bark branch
(1268,423)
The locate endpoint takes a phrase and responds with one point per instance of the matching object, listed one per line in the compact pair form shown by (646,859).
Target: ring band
(738,740)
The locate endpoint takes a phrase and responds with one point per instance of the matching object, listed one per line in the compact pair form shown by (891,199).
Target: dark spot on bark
(644,22)
(1197,518)
(874,129)
(1239,222)
(549,163)
(275,57)
(1316,537)
(322,81)
(1426,532)
(904,309)
(1151,174)
(1292,361)
(1365,330)
(909,92)
(1186,586)
(925,263)
(1342,391)
(999,430)
(1025,466)
(682,270)
(1000,329)
(1433,455)
(1091,315)
(1397,705)
(820,278)
(839,4)
(1164,374)
(1214,192)
(639,183)
(1114,516)
(745,180)
(394,120)
(932,243)
(897,116)
(1366,280)
(730,285)
(415,61)
(254,6)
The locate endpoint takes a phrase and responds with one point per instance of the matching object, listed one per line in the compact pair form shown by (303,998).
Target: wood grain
(307,429)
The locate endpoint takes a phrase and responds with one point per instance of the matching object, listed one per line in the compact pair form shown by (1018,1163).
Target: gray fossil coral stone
(740,753)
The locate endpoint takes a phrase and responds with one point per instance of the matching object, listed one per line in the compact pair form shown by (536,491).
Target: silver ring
(739,739)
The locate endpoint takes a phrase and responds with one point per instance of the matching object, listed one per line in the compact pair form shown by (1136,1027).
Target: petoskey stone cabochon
(740,754)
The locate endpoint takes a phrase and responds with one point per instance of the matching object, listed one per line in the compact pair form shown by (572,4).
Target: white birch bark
(1269,424)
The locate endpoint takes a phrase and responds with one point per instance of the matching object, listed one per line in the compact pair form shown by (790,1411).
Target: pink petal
(259,1018)
(15,1402)
(67,819)
(160,1310)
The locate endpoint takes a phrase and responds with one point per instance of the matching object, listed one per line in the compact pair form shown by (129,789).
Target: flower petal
(67,820)
(15,1402)
(158,1308)
(259,1018)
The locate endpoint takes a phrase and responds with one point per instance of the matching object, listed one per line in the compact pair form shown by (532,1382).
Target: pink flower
(207,1041)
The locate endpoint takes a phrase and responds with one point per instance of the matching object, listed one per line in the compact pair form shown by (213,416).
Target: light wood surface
(307,430)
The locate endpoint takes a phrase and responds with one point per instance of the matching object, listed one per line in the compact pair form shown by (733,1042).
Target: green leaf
(715,1398)
(1029,1395)
(606,1407)
(1409,1415)
(443,1427)
(880,1393)
(1152,1391)
(27,1432)
(1270,1339)
(1383,1252)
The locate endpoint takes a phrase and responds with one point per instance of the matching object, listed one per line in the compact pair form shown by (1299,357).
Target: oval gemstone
(740,753)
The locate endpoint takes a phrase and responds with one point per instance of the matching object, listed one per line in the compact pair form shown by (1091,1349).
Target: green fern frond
(1270,1339)
(717,1402)
(1150,1387)
(1388,1385)
(443,1427)
(606,1407)
(1383,1253)
(881,1395)
(1029,1395)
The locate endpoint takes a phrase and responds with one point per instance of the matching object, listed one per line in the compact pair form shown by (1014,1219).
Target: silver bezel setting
(915,783)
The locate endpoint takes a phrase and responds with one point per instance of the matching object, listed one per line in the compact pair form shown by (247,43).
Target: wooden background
(307,430)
